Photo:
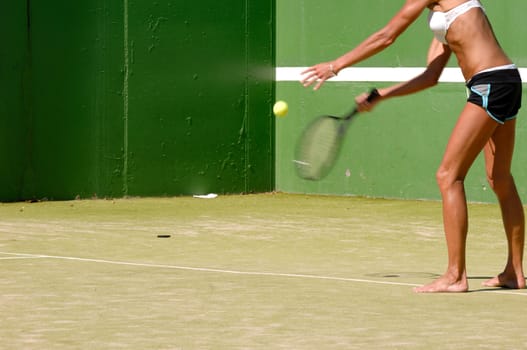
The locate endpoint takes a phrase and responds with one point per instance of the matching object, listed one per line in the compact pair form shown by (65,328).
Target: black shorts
(499,92)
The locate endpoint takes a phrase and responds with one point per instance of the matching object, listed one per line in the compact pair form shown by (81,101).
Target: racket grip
(374,94)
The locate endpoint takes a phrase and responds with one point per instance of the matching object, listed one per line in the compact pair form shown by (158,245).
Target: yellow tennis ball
(280,108)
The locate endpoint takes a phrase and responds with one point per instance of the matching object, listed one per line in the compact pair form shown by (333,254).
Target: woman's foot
(506,279)
(444,284)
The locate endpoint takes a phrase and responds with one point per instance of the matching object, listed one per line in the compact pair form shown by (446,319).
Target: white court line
(20,257)
(234,272)
(205,269)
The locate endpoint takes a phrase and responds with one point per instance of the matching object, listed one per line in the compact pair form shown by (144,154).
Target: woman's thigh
(471,133)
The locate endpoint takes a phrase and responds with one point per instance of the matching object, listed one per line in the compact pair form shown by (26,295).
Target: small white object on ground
(206,196)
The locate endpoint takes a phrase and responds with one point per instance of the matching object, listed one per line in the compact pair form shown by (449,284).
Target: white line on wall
(378,74)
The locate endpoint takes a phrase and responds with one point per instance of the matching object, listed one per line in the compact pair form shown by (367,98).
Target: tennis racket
(320,143)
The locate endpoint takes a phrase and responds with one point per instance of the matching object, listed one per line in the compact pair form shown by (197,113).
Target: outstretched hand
(318,74)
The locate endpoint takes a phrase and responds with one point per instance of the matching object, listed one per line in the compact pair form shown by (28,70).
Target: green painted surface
(395,150)
(201,83)
(13,94)
(138,98)
(147,98)
(76,99)
(309,31)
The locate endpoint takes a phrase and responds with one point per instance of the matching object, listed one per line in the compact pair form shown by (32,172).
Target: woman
(486,122)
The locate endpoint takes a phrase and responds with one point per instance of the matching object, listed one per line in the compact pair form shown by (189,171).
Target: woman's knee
(500,184)
(447,178)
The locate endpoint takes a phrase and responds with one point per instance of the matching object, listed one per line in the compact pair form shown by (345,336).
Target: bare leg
(498,158)
(468,138)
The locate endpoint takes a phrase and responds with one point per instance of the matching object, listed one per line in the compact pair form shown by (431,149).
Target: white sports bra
(439,22)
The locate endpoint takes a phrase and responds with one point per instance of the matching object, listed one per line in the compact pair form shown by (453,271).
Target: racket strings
(319,147)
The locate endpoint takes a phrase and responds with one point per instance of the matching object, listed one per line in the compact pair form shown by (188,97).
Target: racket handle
(374,93)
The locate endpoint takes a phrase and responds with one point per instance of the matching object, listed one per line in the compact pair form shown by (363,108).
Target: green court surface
(269,271)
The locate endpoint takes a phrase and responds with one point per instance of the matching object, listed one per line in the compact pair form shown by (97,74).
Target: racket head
(319,146)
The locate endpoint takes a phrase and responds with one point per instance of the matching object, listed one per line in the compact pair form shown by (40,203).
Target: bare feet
(506,280)
(444,284)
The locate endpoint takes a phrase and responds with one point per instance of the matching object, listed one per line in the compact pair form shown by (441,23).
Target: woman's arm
(438,56)
(369,47)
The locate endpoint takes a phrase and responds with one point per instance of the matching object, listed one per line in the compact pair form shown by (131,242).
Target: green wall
(13,109)
(395,150)
(116,98)
(77,80)
(139,98)
(200,86)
